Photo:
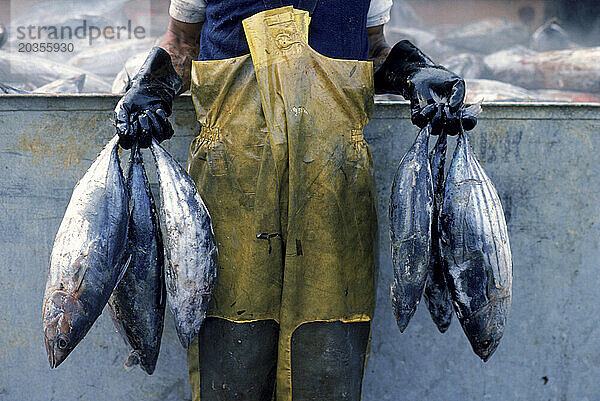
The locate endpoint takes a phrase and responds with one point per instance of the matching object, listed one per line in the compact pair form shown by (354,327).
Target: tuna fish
(27,72)
(550,36)
(506,66)
(191,268)
(467,65)
(488,35)
(437,295)
(66,85)
(411,205)
(490,91)
(107,60)
(572,69)
(122,82)
(9,90)
(137,304)
(476,248)
(87,258)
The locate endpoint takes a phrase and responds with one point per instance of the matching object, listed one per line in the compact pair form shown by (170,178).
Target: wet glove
(142,112)
(436,94)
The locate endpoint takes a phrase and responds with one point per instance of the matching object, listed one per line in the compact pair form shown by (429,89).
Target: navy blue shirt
(338,28)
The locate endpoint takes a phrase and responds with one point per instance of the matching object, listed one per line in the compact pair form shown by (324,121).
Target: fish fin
(124,269)
(437,98)
(132,361)
(474,109)
(80,274)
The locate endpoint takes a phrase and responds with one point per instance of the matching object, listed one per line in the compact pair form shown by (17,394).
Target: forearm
(378,47)
(182,42)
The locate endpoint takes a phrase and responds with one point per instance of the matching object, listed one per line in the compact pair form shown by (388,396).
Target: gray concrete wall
(544,161)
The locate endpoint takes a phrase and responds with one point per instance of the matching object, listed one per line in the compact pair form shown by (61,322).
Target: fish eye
(62,342)
(486,343)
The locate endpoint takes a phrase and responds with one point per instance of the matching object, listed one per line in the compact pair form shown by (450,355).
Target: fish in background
(122,81)
(87,258)
(571,69)
(26,72)
(468,66)
(550,36)
(487,36)
(506,66)
(66,85)
(9,90)
(106,61)
(496,91)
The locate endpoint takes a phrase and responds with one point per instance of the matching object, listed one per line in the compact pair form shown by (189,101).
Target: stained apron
(287,177)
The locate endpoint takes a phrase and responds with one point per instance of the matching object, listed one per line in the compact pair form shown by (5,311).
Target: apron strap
(308,5)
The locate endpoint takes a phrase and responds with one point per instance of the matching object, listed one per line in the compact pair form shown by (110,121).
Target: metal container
(543,159)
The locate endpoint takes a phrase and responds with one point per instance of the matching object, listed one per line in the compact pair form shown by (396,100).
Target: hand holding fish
(436,94)
(142,112)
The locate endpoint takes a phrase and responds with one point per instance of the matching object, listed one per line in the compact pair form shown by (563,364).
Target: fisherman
(283,91)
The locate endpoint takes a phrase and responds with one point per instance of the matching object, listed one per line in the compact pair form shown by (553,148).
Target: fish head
(485,327)
(64,326)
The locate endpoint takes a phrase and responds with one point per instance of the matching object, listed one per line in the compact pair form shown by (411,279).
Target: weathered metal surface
(543,160)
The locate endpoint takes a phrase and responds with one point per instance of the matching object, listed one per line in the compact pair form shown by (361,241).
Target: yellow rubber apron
(285,172)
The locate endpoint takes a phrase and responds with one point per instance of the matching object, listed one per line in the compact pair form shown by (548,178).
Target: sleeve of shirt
(379,12)
(190,11)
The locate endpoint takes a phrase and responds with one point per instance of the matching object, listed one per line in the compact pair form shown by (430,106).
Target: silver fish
(467,65)
(26,72)
(506,66)
(572,69)
(487,35)
(9,90)
(410,213)
(66,85)
(489,90)
(106,61)
(87,257)
(550,36)
(437,295)
(476,247)
(137,304)
(191,268)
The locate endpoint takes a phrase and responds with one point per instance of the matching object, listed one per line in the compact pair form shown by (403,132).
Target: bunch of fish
(449,242)
(109,250)
(502,52)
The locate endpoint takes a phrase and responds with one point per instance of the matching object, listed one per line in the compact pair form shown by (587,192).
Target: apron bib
(287,176)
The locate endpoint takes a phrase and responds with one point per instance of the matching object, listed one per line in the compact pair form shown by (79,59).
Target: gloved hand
(436,94)
(142,112)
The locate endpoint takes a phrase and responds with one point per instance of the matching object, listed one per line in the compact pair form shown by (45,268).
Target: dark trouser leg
(328,360)
(237,360)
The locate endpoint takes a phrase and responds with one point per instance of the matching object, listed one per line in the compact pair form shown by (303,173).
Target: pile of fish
(109,250)
(449,242)
(26,70)
(543,66)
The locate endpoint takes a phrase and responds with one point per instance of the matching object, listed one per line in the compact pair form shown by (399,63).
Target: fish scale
(87,257)
(477,250)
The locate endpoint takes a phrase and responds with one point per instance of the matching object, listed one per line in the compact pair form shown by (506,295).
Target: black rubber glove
(436,94)
(142,112)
